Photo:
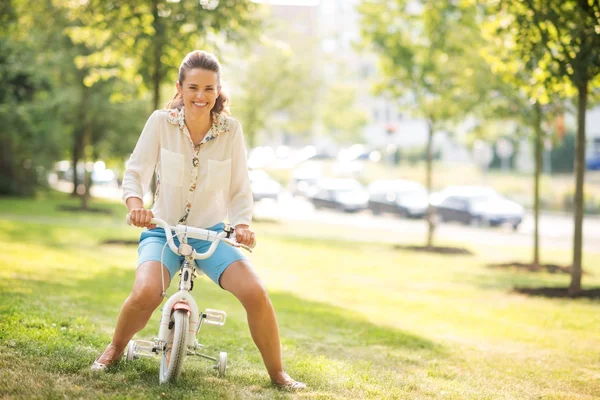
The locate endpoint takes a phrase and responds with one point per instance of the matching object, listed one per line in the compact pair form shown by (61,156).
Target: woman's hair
(207,61)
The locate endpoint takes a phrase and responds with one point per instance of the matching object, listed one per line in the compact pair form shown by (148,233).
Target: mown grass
(358,320)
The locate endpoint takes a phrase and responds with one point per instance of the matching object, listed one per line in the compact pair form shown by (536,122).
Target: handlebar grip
(128,219)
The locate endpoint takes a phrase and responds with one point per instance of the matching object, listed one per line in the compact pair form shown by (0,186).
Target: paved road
(556,230)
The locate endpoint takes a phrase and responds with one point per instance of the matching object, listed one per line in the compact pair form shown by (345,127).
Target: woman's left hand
(244,235)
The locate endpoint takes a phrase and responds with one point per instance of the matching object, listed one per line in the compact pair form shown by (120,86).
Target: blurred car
(304,180)
(593,163)
(263,186)
(476,205)
(100,175)
(403,197)
(342,194)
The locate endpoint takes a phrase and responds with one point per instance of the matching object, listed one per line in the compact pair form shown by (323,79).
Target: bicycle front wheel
(172,358)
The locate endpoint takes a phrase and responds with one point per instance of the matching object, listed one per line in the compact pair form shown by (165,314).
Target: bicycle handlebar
(195,233)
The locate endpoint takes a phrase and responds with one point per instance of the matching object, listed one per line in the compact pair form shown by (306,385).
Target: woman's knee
(145,297)
(255,296)
(147,289)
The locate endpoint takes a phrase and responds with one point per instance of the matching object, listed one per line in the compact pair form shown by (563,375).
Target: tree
(143,42)
(30,138)
(566,34)
(273,84)
(341,117)
(426,61)
(521,93)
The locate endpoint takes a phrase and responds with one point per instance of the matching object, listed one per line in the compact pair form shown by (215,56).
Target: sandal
(102,366)
(291,386)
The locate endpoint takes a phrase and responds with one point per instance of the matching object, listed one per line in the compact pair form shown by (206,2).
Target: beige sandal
(102,366)
(291,386)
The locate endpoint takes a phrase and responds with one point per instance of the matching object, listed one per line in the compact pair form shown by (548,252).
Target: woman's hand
(244,235)
(141,217)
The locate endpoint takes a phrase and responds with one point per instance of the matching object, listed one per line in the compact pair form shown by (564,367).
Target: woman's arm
(240,194)
(141,163)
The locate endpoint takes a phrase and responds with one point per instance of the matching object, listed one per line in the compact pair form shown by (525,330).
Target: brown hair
(207,61)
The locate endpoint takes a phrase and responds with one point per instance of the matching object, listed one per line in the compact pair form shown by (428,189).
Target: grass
(358,320)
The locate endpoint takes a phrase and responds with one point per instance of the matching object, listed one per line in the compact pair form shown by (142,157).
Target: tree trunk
(157,45)
(86,138)
(431,223)
(576,271)
(76,156)
(536,192)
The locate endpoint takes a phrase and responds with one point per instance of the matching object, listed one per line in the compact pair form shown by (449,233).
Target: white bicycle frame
(183,299)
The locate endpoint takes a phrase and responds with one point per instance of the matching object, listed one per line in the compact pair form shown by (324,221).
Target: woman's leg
(241,280)
(137,309)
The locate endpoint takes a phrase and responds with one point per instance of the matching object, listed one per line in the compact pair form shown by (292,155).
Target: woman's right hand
(141,217)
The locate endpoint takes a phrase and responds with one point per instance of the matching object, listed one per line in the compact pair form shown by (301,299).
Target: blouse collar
(219,125)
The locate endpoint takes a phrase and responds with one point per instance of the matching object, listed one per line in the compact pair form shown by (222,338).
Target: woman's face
(199,91)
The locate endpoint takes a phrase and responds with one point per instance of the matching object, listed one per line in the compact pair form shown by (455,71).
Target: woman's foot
(284,382)
(110,356)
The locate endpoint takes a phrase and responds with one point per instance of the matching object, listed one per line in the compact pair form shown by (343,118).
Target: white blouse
(222,187)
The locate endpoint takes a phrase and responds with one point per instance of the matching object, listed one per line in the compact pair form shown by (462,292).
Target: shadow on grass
(529,267)
(559,292)
(435,249)
(79,209)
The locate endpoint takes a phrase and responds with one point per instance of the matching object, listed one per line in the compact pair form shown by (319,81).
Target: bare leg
(241,280)
(137,309)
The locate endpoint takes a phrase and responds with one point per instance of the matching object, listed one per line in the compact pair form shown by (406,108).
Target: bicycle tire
(171,362)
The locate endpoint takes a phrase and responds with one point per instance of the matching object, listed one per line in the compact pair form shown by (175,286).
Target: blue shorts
(152,242)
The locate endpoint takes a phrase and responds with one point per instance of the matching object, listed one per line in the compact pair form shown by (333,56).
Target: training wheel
(222,364)
(131,351)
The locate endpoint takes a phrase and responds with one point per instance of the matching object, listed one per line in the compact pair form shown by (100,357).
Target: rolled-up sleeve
(240,194)
(142,162)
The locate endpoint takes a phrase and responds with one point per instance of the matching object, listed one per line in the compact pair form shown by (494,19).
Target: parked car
(343,194)
(304,180)
(403,197)
(593,163)
(476,205)
(263,186)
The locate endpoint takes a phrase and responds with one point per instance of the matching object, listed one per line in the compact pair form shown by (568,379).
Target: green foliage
(29,140)
(275,87)
(342,119)
(143,42)
(73,74)
(423,54)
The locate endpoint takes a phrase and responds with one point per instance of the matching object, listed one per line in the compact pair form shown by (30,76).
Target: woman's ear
(178,86)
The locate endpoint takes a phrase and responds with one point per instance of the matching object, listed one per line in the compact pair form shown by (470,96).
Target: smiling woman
(199,156)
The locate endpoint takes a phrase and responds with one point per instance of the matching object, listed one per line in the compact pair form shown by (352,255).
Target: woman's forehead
(200,77)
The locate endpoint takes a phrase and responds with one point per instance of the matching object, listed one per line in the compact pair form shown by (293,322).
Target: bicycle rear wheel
(172,358)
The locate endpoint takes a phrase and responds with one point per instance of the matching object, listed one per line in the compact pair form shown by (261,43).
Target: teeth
(200,104)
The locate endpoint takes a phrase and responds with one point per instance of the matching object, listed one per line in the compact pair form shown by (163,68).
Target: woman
(200,160)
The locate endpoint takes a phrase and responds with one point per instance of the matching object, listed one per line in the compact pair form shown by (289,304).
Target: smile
(199,104)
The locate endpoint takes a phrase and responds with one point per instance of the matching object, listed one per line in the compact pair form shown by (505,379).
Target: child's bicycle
(180,319)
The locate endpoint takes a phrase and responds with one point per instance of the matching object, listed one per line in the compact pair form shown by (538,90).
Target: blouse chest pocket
(218,175)
(171,167)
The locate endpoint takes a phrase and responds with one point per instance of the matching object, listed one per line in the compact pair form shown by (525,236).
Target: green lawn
(357,320)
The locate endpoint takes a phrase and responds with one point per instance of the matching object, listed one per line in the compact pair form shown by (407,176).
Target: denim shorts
(153,241)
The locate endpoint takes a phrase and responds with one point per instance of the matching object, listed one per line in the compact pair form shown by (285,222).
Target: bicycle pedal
(214,317)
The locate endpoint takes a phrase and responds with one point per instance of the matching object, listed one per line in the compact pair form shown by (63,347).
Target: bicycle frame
(183,298)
